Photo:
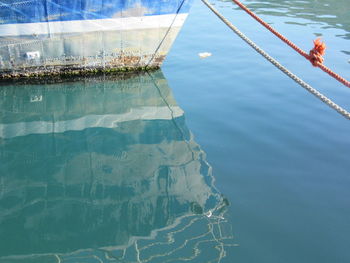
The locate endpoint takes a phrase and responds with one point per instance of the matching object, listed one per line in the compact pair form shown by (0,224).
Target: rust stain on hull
(84,53)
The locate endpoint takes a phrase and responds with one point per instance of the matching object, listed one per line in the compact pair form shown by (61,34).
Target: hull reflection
(104,171)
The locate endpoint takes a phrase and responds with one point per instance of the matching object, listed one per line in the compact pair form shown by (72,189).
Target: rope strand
(292,45)
(302,83)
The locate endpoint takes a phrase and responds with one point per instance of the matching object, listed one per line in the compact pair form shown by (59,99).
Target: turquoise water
(222,159)
(105,170)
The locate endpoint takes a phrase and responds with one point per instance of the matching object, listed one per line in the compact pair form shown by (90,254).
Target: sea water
(216,159)
(281,156)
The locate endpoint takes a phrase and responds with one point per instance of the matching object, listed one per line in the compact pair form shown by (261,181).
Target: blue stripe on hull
(34,11)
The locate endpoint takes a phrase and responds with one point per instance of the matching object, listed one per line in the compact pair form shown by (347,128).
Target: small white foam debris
(209,213)
(204,54)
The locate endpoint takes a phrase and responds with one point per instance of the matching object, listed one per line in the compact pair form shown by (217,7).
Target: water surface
(109,170)
(280,156)
(104,170)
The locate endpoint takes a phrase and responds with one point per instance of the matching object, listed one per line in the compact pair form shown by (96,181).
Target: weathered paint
(35,11)
(134,36)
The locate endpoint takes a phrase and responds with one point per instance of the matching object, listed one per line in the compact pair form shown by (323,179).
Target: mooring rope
(314,56)
(298,80)
(166,34)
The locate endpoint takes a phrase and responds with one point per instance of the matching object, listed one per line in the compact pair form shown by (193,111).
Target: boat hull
(131,36)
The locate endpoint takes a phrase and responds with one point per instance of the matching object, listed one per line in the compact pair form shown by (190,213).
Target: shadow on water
(327,12)
(104,171)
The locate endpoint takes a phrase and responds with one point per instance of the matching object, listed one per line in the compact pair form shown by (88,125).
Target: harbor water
(216,159)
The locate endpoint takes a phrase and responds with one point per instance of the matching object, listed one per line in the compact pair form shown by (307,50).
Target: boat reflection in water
(104,171)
